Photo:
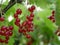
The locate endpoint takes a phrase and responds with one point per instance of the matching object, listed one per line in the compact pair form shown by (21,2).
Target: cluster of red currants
(1,19)
(6,32)
(26,26)
(52,18)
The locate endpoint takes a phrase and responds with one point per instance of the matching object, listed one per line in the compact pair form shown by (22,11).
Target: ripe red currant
(18,11)
(30,9)
(31,15)
(3,28)
(11,27)
(2,19)
(28,36)
(33,7)
(17,20)
(15,15)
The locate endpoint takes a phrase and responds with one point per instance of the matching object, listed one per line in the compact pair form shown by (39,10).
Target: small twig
(10,4)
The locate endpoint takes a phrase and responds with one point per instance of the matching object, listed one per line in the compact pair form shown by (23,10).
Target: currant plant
(34,22)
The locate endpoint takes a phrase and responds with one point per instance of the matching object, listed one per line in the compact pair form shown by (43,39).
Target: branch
(10,4)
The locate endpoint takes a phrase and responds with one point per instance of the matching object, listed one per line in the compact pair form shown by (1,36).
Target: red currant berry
(29,9)
(2,19)
(7,29)
(18,11)
(53,12)
(15,15)
(11,27)
(29,22)
(7,38)
(10,33)
(24,30)
(20,31)
(3,27)
(33,7)
(17,20)
(7,33)
(51,17)
(17,23)
(28,36)
(2,33)
(31,15)
(30,19)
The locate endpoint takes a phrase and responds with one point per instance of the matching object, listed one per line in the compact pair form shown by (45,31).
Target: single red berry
(30,19)
(29,9)
(33,7)
(18,11)
(20,30)
(51,17)
(2,33)
(29,22)
(7,29)
(15,15)
(28,36)
(7,38)
(17,23)
(10,33)
(3,28)
(27,17)
(31,25)
(7,34)
(53,12)
(11,27)
(17,20)
(31,15)
(24,30)
(2,19)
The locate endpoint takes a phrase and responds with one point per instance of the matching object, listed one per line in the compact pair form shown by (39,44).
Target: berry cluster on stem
(6,32)
(26,26)
(52,18)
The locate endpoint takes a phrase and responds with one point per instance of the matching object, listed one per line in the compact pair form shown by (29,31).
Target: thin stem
(10,4)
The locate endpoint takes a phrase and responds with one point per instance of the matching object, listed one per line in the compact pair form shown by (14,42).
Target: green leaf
(41,3)
(57,15)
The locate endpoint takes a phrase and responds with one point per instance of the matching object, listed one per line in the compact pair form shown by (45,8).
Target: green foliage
(42,3)
(42,25)
(57,15)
